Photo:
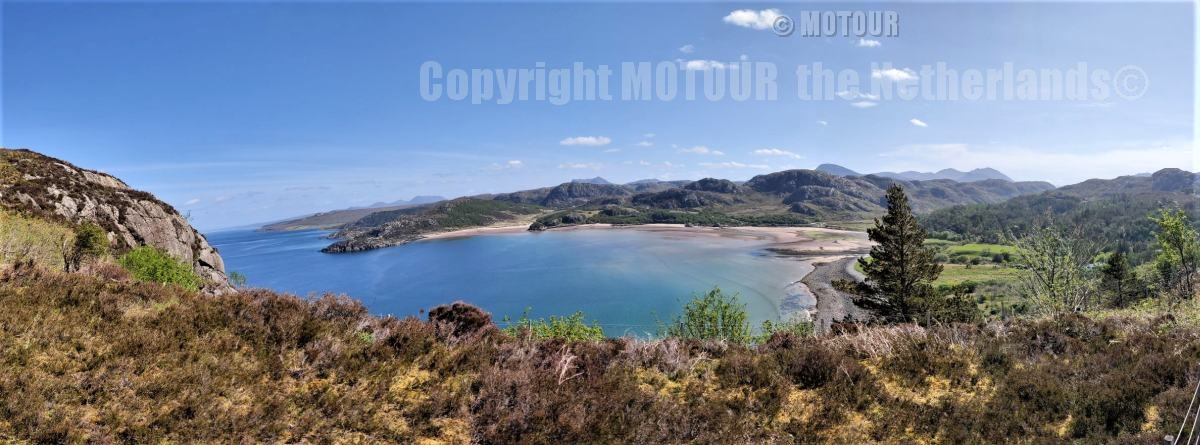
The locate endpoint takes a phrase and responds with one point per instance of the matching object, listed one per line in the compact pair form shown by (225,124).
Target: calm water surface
(627,280)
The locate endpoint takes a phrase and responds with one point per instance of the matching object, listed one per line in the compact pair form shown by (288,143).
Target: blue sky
(249,112)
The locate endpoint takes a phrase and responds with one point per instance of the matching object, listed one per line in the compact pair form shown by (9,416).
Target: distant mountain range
(979,174)
(336,218)
(596,180)
(416,200)
(788,197)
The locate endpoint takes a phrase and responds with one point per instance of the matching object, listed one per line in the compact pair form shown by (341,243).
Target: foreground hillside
(89,360)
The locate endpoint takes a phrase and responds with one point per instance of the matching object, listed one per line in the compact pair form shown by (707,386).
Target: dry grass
(87,359)
(32,239)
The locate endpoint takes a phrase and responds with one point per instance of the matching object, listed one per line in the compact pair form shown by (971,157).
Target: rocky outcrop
(46,187)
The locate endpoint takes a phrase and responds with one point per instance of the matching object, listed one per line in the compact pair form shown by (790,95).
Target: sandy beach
(795,240)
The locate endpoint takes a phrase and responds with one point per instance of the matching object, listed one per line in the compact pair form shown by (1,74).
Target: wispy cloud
(864,104)
(749,18)
(823,123)
(593,141)
(918,122)
(855,95)
(192,201)
(687,49)
(734,164)
(868,43)
(894,74)
(644,144)
(702,150)
(510,165)
(777,152)
(580,165)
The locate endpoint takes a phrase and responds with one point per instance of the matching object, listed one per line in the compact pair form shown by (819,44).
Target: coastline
(808,296)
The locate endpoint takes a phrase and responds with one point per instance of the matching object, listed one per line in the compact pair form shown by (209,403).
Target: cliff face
(50,188)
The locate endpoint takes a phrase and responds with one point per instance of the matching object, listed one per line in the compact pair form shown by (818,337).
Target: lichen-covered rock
(50,188)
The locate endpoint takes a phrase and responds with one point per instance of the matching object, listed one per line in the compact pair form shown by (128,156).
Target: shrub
(147,263)
(797,328)
(712,316)
(569,328)
(237,279)
(459,319)
(90,243)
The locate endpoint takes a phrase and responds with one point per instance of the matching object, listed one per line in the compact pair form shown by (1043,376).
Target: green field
(978,253)
(957,273)
(994,285)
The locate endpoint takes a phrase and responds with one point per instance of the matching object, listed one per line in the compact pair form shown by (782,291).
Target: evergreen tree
(1118,280)
(901,268)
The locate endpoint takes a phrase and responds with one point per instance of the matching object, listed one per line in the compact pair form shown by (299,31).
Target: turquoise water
(627,280)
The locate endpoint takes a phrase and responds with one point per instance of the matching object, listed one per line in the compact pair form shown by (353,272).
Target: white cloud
(580,165)
(749,18)
(743,57)
(612,150)
(855,95)
(687,49)
(702,65)
(734,164)
(1044,164)
(192,201)
(918,122)
(863,104)
(702,150)
(643,162)
(644,144)
(510,165)
(648,135)
(894,74)
(823,123)
(868,43)
(593,141)
(777,152)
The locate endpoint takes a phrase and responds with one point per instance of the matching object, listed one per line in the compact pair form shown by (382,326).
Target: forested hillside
(1113,212)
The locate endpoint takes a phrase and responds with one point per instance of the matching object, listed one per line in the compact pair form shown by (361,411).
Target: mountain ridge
(790,197)
(974,175)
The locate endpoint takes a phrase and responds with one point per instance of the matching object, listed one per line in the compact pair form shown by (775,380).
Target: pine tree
(901,268)
(1118,280)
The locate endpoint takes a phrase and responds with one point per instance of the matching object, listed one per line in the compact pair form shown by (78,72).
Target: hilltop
(54,190)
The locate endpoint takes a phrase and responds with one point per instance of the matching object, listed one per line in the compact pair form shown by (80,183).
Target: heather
(85,358)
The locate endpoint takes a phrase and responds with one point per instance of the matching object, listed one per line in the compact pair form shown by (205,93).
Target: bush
(713,316)
(569,328)
(147,263)
(797,328)
(90,243)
